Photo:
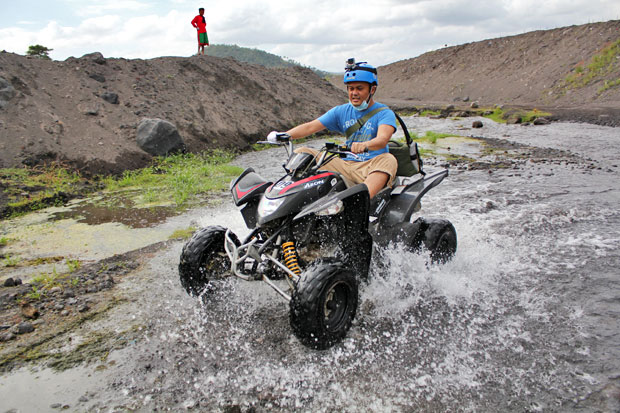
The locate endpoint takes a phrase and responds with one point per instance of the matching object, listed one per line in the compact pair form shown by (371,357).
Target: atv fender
(405,199)
(248,186)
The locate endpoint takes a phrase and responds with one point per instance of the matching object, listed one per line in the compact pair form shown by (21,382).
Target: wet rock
(55,405)
(476,124)
(159,137)
(110,97)
(24,327)
(541,121)
(6,336)
(474,105)
(29,311)
(12,282)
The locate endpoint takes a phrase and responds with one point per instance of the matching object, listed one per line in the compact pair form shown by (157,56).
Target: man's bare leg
(375,182)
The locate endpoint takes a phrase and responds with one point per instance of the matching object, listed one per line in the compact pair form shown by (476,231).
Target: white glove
(272,137)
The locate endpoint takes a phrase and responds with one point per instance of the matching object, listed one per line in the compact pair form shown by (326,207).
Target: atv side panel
(248,186)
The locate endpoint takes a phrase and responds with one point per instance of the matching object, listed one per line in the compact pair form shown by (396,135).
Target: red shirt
(199,24)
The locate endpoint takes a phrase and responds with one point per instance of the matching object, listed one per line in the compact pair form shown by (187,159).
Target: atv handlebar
(332,148)
(341,150)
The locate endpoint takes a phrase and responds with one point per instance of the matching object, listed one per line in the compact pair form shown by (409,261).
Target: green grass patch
(179,178)
(185,233)
(4,241)
(47,280)
(54,178)
(431,137)
(29,189)
(496,116)
(429,112)
(10,261)
(73,265)
(608,85)
(601,64)
(501,116)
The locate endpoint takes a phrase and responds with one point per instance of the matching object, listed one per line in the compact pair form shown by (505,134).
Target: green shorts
(203,38)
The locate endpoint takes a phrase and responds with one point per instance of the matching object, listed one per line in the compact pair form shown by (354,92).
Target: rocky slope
(530,69)
(85,111)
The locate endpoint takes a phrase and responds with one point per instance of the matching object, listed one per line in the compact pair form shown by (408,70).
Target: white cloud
(322,33)
(99,7)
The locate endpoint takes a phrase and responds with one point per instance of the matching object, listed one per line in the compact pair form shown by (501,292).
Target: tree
(39,51)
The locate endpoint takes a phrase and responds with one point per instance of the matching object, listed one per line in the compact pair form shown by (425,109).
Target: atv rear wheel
(323,304)
(440,240)
(204,259)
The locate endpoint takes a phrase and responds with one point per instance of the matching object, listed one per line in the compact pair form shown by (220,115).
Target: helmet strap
(371,93)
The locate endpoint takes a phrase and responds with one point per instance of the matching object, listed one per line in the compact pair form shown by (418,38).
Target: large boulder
(96,57)
(7,92)
(159,137)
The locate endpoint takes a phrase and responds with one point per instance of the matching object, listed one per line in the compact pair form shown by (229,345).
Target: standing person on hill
(200,24)
(368,125)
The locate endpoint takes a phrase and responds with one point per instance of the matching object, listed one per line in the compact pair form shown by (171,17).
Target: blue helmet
(360,72)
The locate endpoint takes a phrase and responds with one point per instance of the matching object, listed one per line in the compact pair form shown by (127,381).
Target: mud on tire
(324,304)
(204,259)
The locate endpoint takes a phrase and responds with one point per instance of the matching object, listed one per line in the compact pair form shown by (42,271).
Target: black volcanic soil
(54,110)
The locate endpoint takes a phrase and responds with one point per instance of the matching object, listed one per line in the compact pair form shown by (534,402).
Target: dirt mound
(85,111)
(546,68)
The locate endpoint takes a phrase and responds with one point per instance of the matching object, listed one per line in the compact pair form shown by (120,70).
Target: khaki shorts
(357,172)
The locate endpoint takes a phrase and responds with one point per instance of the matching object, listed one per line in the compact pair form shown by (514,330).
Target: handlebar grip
(283,137)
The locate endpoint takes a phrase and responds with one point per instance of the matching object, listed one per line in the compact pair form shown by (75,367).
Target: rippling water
(524,318)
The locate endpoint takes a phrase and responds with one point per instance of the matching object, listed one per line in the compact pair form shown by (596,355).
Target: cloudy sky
(318,33)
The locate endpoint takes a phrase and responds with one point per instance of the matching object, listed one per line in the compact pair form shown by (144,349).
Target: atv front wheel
(440,240)
(323,304)
(204,259)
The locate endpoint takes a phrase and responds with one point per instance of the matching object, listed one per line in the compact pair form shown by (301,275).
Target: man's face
(201,11)
(358,92)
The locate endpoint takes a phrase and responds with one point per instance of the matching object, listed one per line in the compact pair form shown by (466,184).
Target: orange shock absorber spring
(290,257)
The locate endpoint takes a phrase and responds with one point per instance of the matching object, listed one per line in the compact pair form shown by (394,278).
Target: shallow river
(524,318)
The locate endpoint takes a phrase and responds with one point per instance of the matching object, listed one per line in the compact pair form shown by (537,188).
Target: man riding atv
(368,126)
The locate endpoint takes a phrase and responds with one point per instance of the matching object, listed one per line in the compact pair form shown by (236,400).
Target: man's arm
(384,133)
(306,129)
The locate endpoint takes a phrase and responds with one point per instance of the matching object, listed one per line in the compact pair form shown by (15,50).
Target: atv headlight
(267,206)
(332,209)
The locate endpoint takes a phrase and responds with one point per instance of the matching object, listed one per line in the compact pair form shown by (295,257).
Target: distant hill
(573,66)
(255,56)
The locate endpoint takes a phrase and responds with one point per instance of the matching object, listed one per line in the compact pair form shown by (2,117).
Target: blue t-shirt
(340,118)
